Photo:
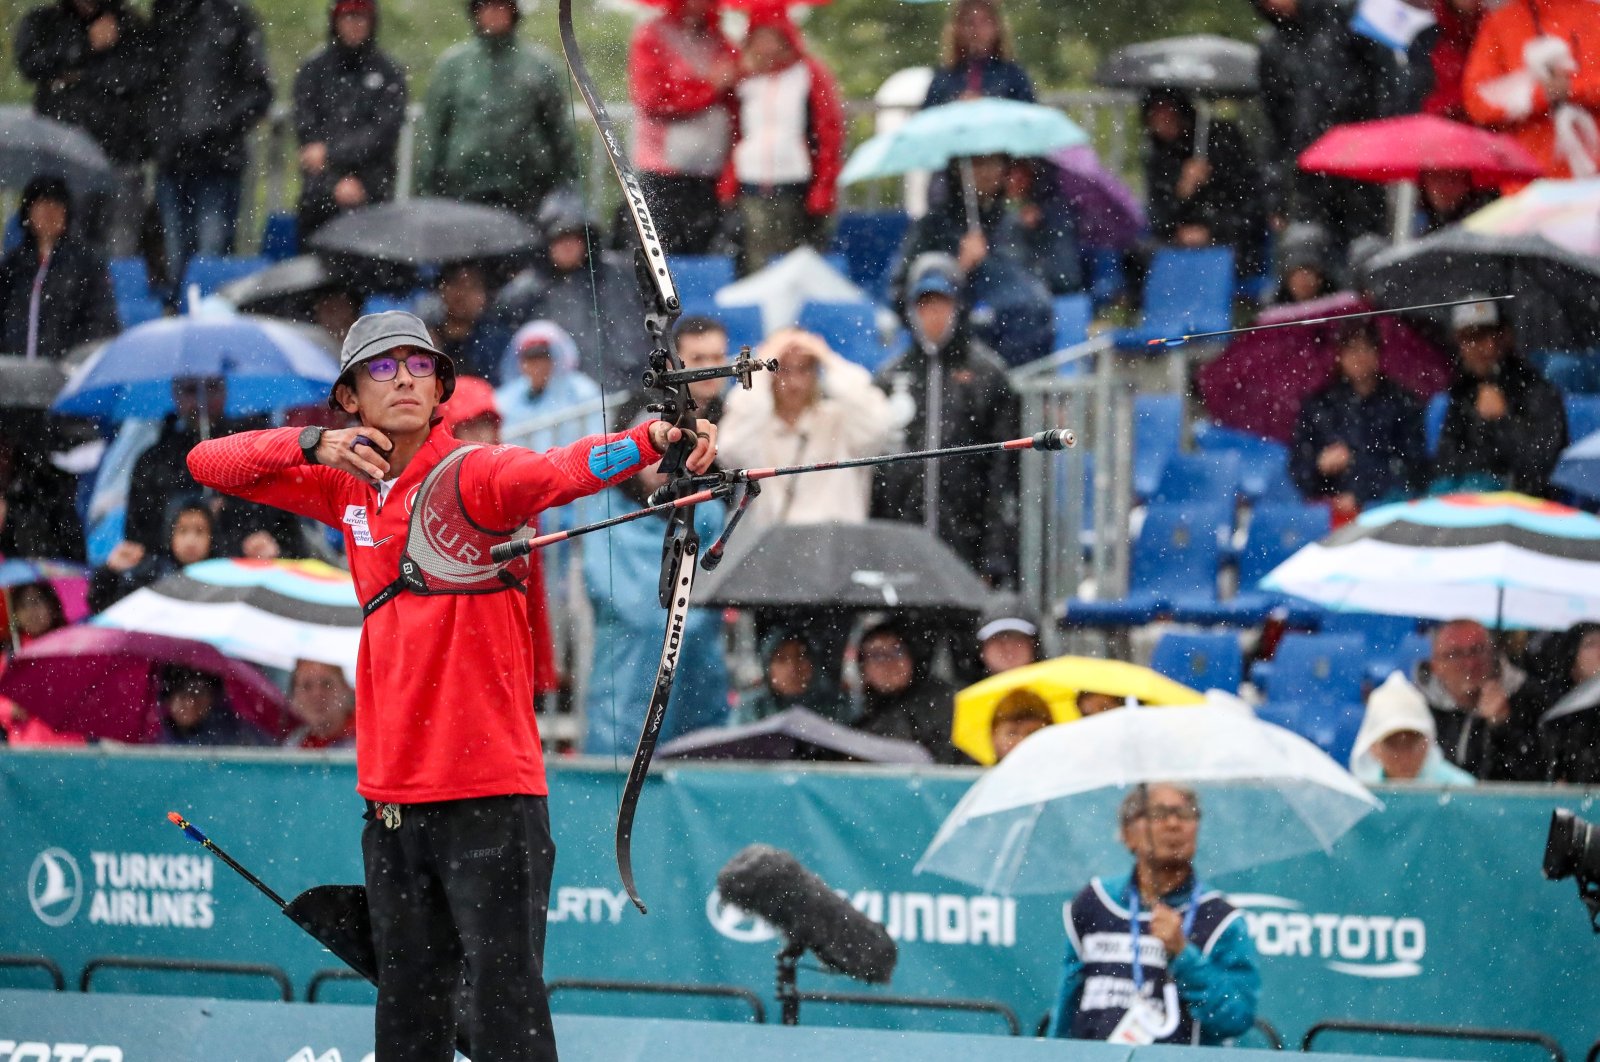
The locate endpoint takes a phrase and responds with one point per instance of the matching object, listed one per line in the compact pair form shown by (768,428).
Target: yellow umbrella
(1059,682)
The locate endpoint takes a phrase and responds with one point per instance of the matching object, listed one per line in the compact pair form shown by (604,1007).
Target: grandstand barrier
(1436,1032)
(970,1006)
(758,1010)
(1431,910)
(330,976)
(155,964)
(36,962)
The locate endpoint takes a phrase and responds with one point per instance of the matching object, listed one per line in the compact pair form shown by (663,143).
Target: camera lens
(1573,847)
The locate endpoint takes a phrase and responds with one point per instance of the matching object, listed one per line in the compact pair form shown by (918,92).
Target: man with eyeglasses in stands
(457,844)
(1156,956)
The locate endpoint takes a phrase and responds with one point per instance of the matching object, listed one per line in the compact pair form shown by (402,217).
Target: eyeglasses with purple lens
(418,365)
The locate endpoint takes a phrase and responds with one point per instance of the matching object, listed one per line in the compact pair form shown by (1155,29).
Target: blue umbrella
(268,364)
(1579,467)
(931,138)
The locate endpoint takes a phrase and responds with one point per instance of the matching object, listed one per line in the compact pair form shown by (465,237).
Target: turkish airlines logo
(55,887)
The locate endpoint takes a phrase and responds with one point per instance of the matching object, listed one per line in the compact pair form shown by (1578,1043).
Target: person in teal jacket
(497,121)
(1156,956)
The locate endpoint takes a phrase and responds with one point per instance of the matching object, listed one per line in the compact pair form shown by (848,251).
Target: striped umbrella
(267,612)
(1506,560)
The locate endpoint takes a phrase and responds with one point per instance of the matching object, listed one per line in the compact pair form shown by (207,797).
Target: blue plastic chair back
(1188,290)
(700,276)
(869,242)
(1433,420)
(1157,430)
(129,278)
(1383,634)
(1072,316)
(211,272)
(851,328)
(382,303)
(1263,463)
(1203,476)
(1318,667)
(1412,650)
(1331,726)
(743,323)
(1107,279)
(1575,374)
(1583,416)
(280,237)
(1178,550)
(1277,532)
(1201,661)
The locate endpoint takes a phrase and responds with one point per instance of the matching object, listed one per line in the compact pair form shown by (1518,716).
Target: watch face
(310,437)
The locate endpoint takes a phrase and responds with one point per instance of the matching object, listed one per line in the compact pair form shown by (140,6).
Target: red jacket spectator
(683,117)
(1458,24)
(1534,71)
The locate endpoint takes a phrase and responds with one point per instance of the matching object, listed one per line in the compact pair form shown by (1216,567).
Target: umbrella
(274,289)
(1567,213)
(1109,214)
(31,144)
(1579,467)
(793,734)
(1260,379)
(267,612)
(425,230)
(1404,148)
(70,581)
(268,365)
(879,564)
(101,683)
(1554,308)
(966,128)
(1059,682)
(1203,64)
(29,383)
(1506,560)
(1044,819)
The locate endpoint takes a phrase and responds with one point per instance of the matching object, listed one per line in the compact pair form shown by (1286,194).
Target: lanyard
(1133,925)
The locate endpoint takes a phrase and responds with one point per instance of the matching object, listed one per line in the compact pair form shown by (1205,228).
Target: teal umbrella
(966,128)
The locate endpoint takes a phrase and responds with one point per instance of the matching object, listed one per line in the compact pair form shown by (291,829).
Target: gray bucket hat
(378,333)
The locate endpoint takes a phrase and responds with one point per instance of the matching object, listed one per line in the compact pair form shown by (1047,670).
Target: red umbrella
(102,683)
(1401,149)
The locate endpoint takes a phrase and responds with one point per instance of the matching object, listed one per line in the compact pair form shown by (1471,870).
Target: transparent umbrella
(1044,819)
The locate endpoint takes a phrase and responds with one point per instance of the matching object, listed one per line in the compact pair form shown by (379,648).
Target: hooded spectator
(1201,194)
(349,108)
(1571,740)
(1505,425)
(323,704)
(783,172)
(591,294)
(472,414)
(543,380)
(457,315)
(1484,708)
(1397,743)
(977,57)
(948,389)
(900,696)
(792,677)
(1307,264)
(35,610)
(211,87)
(497,122)
(1448,196)
(191,535)
(54,290)
(682,73)
(195,711)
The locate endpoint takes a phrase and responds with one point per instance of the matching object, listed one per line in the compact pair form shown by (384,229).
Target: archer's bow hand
(704,454)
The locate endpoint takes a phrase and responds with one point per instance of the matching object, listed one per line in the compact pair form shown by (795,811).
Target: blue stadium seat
(1173,559)
(1107,279)
(280,237)
(1201,661)
(742,322)
(1412,650)
(129,278)
(1433,420)
(700,276)
(1157,431)
(211,272)
(870,241)
(1186,291)
(1583,416)
(851,328)
(1202,476)
(1384,634)
(1314,668)
(1263,463)
(138,310)
(1331,726)
(1575,374)
(380,303)
(1276,532)
(1072,316)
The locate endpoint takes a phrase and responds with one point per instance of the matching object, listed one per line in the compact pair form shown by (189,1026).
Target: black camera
(1573,851)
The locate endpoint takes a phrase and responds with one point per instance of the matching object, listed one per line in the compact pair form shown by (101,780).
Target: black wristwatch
(310,439)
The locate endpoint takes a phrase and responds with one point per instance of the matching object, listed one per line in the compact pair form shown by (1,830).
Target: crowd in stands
(739,146)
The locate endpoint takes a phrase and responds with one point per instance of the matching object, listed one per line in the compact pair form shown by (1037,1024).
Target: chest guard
(445,552)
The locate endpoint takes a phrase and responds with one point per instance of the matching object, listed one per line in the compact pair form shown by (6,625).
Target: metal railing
(329,976)
(1437,1032)
(758,1011)
(200,966)
(971,1006)
(37,962)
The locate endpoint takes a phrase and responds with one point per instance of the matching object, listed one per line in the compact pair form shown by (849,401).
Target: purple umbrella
(102,683)
(1108,213)
(1259,381)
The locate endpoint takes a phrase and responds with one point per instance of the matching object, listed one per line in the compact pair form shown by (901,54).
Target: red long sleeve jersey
(444,683)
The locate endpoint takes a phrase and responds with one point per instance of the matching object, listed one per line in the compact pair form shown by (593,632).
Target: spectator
(1307,264)
(324,704)
(472,414)
(195,711)
(191,531)
(1020,713)
(90,65)
(948,389)
(1397,742)
(790,679)
(703,344)
(35,611)
(682,73)
(1571,741)
(817,407)
(1360,439)
(1505,425)
(38,510)
(18,728)
(1091,702)
(1534,71)
(458,319)
(1312,79)
(548,382)
(211,87)
(785,163)
(54,290)
(497,123)
(1484,709)
(976,57)
(1204,190)
(1448,196)
(334,309)
(161,474)
(593,295)
(1200,987)
(621,573)
(1458,24)
(349,108)
(1008,636)
(900,696)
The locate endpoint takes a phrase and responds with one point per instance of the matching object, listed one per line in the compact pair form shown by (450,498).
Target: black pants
(462,888)
(685,210)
